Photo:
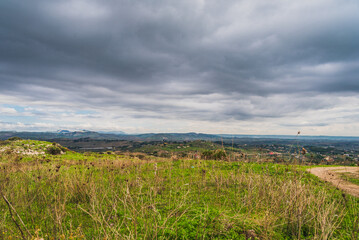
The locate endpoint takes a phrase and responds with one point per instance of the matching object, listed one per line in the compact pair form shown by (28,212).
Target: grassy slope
(121,197)
(179,147)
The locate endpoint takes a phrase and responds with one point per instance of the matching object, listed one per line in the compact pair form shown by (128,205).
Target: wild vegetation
(351,177)
(60,194)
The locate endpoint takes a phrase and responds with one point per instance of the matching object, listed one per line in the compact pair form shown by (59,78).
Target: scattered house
(329,159)
(275,153)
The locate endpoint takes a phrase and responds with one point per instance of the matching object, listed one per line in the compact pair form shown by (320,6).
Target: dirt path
(331,174)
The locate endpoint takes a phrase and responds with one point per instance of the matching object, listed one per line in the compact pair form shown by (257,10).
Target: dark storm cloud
(170,57)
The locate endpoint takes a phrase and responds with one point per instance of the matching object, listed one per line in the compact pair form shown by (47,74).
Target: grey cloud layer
(172,57)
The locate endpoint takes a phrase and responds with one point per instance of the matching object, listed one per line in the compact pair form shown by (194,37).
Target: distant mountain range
(80,134)
(66,134)
(60,134)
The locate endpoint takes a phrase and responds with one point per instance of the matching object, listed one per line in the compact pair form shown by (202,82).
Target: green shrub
(15,139)
(218,154)
(53,150)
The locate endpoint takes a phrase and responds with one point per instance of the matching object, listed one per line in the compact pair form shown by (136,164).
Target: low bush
(14,139)
(54,150)
(218,154)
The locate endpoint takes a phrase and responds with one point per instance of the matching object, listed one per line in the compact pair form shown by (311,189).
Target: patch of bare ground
(332,175)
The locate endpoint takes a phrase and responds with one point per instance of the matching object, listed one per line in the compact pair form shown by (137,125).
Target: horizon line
(217,134)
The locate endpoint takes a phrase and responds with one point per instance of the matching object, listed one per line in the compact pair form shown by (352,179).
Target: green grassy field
(107,196)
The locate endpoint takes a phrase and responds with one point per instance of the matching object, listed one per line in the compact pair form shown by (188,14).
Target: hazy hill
(192,136)
(65,134)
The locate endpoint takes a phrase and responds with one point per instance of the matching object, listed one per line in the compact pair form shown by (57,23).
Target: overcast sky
(229,66)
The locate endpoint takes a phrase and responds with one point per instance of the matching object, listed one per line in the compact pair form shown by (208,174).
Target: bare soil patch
(332,175)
